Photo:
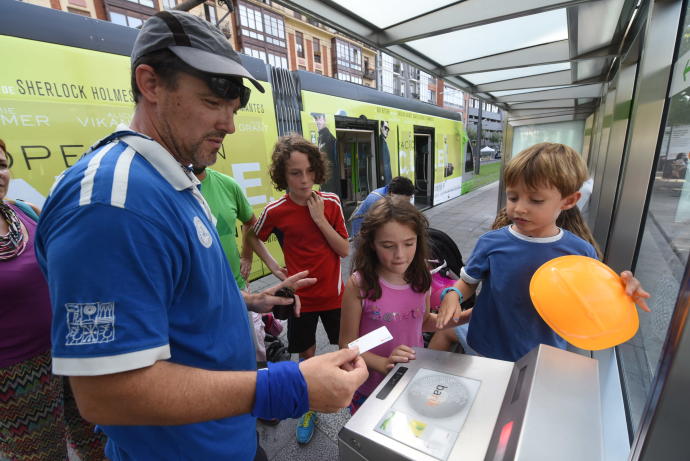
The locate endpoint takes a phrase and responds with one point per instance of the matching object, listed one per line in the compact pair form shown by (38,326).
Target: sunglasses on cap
(226,87)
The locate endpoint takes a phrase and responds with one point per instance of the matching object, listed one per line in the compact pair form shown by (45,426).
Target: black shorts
(302,330)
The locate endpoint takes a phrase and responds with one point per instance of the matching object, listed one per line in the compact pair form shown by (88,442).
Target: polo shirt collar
(178,176)
(175,173)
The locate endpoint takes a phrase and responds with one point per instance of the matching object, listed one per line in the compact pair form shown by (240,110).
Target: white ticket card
(371,339)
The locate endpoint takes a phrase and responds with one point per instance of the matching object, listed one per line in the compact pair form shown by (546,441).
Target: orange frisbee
(584,301)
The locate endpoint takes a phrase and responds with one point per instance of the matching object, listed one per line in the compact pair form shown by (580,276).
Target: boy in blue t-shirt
(542,183)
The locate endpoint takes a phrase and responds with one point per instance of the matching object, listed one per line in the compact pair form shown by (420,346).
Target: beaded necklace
(13,243)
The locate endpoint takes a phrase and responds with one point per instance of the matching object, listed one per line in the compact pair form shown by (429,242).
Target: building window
(124,20)
(78,11)
(452,96)
(273,59)
(148,3)
(414,89)
(317,51)
(261,25)
(251,21)
(260,54)
(349,78)
(355,58)
(387,74)
(275,30)
(425,93)
(210,13)
(277,61)
(299,43)
(169,4)
(348,55)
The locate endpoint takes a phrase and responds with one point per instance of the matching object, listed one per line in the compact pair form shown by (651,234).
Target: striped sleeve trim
(87,182)
(95,366)
(468,279)
(118,195)
(262,219)
(57,181)
(330,195)
(335,199)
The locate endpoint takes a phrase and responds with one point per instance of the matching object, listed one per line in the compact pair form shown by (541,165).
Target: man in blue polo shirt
(155,340)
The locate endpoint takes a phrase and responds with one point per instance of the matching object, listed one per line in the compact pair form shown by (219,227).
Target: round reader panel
(438,396)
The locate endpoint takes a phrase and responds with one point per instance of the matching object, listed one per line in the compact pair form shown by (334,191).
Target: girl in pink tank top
(390,286)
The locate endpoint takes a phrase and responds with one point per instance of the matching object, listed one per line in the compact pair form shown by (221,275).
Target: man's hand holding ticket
(371,340)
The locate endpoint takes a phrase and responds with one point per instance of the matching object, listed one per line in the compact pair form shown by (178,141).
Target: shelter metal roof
(541,60)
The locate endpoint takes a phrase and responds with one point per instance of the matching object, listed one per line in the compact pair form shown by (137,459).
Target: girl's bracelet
(446,290)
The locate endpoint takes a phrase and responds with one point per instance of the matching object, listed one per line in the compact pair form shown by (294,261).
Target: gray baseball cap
(193,40)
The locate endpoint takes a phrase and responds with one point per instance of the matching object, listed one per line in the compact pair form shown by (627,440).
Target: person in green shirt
(229,204)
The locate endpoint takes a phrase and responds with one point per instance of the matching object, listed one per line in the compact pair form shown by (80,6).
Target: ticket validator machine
(446,406)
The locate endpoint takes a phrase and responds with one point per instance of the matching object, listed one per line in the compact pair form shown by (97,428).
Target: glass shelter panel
(665,242)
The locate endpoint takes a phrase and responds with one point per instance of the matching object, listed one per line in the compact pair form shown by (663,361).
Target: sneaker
(305,427)
(272,326)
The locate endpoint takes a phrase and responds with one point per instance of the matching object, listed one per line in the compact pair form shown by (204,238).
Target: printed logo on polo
(90,323)
(203,233)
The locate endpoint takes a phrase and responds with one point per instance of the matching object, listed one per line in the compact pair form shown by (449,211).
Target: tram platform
(464,219)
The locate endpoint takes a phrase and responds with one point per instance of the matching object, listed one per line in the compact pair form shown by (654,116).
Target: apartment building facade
(89,8)
(287,39)
(492,122)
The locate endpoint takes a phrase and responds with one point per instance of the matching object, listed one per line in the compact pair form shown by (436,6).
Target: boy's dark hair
(167,67)
(285,146)
(384,211)
(401,185)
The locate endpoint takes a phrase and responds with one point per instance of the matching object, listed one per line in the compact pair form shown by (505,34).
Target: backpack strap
(27,209)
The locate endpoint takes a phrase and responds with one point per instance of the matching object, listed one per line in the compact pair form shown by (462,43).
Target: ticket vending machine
(446,406)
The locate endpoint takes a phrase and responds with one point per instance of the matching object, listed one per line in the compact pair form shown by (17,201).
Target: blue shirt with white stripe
(504,323)
(137,274)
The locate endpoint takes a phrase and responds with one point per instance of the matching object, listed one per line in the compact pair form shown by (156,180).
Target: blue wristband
(281,392)
(446,290)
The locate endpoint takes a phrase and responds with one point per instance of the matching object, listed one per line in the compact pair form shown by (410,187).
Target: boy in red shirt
(310,228)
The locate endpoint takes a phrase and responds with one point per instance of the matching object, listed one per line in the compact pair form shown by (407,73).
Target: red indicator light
(505,435)
(503,439)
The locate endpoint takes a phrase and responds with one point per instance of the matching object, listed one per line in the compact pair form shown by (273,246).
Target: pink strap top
(401,310)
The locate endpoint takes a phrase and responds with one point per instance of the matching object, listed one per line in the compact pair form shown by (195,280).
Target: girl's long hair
(366,262)
(570,220)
